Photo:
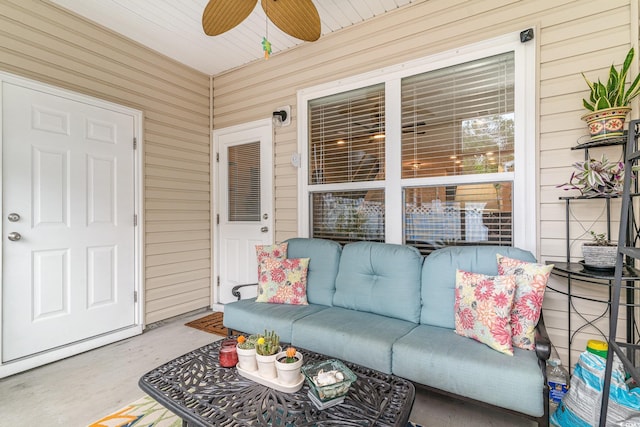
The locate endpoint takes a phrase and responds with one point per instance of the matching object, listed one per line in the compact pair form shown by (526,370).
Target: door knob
(264,229)
(14,237)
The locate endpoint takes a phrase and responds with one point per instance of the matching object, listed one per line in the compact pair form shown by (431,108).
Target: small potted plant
(594,177)
(246,349)
(267,348)
(600,253)
(608,104)
(288,364)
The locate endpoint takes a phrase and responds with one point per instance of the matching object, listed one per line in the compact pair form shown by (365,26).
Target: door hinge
(217,157)
(218,281)
(135,296)
(135,220)
(135,143)
(217,218)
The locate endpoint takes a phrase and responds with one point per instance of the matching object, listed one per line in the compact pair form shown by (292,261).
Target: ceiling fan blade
(298,18)
(220,16)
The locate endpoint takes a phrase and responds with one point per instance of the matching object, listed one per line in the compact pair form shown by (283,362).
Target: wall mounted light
(282,116)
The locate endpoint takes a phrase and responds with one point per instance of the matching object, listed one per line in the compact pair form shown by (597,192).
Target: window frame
(525,192)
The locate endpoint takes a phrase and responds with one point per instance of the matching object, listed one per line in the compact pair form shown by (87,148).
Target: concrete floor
(83,388)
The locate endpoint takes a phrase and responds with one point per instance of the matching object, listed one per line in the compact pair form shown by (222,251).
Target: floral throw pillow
(531,281)
(283,281)
(483,309)
(278,251)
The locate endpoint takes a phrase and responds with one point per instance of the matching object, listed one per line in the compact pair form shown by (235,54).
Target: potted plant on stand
(596,178)
(267,348)
(288,364)
(608,104)
(600,253)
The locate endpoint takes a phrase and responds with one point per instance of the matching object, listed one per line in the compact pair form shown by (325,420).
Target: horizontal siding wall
(43,42)
(572,36)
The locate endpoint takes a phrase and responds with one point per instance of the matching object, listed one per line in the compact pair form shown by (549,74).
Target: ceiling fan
(298,18)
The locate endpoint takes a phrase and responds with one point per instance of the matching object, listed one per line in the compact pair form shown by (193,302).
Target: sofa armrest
(542,341)
(236,289)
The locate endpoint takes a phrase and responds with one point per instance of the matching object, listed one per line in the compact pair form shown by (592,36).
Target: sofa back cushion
(380,278)
(439,277)
(324,259)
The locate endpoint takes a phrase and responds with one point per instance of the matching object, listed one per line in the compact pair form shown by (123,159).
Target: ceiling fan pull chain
(266,44)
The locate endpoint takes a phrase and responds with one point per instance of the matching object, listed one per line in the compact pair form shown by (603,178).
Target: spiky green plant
(268,344)
(614,93)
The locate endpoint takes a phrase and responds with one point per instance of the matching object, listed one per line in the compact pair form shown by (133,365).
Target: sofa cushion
(358,337)
(439,277)
(439,358)
(324,259)
(283,281)
(531,282)
(483,309)
(380,278)
(253,317)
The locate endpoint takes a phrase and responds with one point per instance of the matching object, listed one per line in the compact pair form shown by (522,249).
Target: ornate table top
(202,393)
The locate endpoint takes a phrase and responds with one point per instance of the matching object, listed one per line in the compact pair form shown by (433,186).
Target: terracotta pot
(288,373)
(606,123)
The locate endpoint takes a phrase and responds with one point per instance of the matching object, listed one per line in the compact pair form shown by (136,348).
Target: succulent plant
(614,93)
(247,343)
(268,344)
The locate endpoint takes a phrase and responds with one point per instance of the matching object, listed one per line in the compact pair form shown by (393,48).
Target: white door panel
(244,204)
(68,172)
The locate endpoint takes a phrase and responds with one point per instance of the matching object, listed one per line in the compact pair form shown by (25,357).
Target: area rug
(146,412)
(211,323)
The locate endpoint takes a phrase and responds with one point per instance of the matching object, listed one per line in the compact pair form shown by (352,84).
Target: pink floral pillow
(531,281)
(278,251)
(283,281)
(483,309)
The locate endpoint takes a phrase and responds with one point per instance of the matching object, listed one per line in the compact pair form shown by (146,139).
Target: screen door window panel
(459,120)
(244,182)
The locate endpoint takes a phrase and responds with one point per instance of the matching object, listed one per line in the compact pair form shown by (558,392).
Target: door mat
(211,323)
(146,412)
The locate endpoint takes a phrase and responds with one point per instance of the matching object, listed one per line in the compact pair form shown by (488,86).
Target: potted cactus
(288,364)
(246,349)
(267,348)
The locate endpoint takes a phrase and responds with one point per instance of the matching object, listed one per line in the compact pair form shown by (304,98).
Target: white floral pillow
(483,309)
(283,281)
(531,282)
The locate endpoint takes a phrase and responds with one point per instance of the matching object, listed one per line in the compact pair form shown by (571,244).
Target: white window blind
(459,120)
(346,135)
(244,182)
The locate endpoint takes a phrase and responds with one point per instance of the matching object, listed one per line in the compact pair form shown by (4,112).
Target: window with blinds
(459,120)
(348,216)
(346,135)
(244,182)
(453,165)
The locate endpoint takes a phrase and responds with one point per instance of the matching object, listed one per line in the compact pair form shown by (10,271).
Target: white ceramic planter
(247,359)
(267,365)
(288,373)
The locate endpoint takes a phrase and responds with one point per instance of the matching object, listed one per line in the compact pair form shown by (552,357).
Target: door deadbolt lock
(13,217)
(14,237)
(264,229)
(265,216)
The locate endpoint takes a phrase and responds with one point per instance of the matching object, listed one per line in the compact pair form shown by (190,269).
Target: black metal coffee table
(202,393)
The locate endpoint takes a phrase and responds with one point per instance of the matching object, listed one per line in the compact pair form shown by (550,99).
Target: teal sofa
(386,307)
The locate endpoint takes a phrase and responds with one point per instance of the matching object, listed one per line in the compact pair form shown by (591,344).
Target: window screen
(346,135)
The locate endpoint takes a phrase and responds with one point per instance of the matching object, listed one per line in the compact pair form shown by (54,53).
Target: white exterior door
(68,235)
(244,204)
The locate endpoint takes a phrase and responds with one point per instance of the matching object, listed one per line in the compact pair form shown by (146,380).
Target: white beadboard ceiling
(174,27)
